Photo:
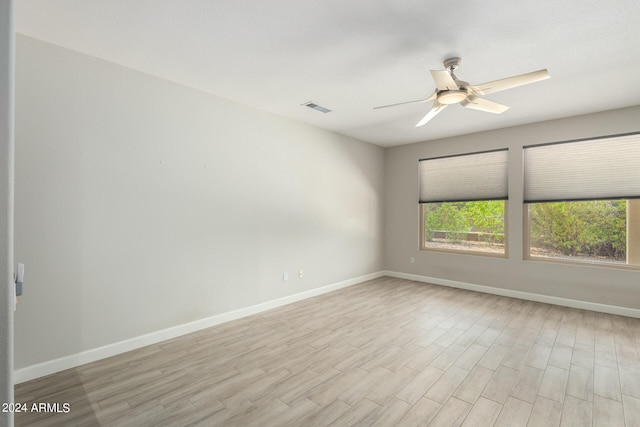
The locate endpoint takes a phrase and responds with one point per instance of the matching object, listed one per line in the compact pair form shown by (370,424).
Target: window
(467,226)
(580,197)
(463,203)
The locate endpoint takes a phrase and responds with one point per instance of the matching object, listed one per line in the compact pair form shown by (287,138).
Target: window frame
(526,216)
(505,199)
(526,249)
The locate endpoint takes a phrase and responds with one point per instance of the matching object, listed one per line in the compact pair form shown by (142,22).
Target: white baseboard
(52,366)
(566,302)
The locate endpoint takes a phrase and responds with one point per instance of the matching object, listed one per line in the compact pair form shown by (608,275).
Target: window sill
(585,263)
(464,252)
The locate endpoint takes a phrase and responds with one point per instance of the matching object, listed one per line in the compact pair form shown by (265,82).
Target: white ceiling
(352,55)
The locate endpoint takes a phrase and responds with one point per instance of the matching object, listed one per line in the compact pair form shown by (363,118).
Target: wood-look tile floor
(387,352)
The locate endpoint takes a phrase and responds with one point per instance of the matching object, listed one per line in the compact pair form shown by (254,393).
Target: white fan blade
(437,107)
(509,82)
(443,80)
(481,104)
(431,98)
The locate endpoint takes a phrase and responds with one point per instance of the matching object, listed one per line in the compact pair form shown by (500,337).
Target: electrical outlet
(412,260)
(285,276)
(300,274)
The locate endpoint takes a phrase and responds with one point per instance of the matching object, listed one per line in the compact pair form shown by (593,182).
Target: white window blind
(464,178)
(604,168)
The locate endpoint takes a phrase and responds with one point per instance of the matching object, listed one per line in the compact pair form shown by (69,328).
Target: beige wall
(142,204)
(580,282)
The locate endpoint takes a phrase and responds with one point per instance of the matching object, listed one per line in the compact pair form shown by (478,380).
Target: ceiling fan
(452,90)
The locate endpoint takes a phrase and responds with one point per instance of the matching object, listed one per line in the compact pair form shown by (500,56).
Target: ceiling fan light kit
(449,97)
(451,90)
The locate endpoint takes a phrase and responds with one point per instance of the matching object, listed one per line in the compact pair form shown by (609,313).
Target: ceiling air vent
(317,107)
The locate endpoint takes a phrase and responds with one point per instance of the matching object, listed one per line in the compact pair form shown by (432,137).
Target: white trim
(52,366)
(566,302)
